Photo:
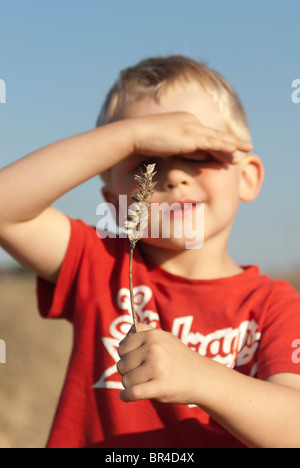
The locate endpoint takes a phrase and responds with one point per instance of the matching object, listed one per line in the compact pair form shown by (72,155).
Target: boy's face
(179,179)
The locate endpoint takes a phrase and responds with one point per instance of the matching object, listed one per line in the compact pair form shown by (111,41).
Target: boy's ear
(252,176)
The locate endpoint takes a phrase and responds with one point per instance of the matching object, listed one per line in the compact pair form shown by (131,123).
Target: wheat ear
(137,220)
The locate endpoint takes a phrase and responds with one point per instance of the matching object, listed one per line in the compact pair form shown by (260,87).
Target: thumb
(140,327)
(143,327)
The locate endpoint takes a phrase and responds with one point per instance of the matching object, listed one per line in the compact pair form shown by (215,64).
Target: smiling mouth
(181,209)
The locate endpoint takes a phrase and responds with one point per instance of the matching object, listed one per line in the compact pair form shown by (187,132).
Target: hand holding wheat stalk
(137,219)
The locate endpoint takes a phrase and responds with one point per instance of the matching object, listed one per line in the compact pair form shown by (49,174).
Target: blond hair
(153,76)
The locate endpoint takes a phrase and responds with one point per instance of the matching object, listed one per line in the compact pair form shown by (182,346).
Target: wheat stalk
(137,220)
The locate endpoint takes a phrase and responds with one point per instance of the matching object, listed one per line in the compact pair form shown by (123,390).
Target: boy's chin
(175,244)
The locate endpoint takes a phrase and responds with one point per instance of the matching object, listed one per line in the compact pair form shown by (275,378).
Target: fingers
(137,374)
(226,142)
(137,377)
(135,369)
(142,391)
(129,361)
(223,147)
(164,135)
(133,340)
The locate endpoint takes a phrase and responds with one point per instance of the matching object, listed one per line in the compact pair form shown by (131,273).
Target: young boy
(212,363)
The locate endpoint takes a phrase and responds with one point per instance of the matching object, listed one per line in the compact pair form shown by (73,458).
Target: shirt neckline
(153,268)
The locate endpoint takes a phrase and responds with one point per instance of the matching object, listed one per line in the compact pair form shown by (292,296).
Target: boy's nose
(172,185)
(174,178)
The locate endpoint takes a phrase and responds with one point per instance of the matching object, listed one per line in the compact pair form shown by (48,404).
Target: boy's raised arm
(33,232)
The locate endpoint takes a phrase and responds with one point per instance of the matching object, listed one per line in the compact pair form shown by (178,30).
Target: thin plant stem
(135,321)
(137,220)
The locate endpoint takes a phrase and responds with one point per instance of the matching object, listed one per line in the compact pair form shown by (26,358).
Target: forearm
(33,183)
(258,413)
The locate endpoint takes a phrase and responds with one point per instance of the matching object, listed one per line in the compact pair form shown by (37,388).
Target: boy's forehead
(193,99)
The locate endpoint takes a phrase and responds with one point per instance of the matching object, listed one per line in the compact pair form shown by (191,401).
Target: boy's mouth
(182,208)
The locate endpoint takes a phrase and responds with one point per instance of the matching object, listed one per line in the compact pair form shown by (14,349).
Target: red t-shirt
(248,322)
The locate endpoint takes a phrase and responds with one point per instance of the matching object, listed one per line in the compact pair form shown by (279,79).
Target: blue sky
(59,58)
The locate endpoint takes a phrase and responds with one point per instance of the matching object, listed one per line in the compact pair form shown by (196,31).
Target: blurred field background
(37,352)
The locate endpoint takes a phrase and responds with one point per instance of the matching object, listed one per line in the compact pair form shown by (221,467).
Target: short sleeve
(58,300)
(281,328)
